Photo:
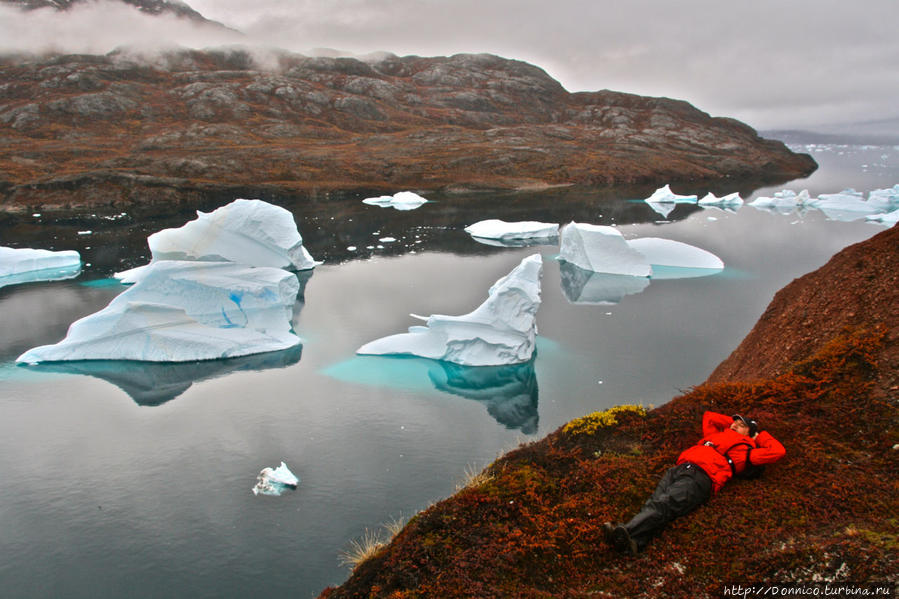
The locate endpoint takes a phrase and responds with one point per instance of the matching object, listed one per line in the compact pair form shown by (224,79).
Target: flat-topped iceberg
(786,200)
(502,330)
(250,232)
(181,311)
(673,259)
(603,249)
(403,200)
(600,248)
(512,231)
(729,200)
(26,265)
(274,481)
(887,218)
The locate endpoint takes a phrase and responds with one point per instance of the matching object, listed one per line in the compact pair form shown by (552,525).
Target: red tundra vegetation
(819,370)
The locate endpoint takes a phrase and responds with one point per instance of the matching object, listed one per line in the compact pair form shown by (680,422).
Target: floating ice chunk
(848,205)
(887,198)
(599,248)
(274,481)
(502,330)
(664,195)
(250,232)
(784,202)
(731,199)
(510,231)
(404,200)
(673,259)
(25,265)
(180,311)
(887,218)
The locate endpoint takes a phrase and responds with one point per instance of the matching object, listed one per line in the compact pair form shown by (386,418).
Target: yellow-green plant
(589,424)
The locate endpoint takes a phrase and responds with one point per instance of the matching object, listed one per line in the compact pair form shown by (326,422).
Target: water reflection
(509,392)
(154,383)
(582,286)
(517,243)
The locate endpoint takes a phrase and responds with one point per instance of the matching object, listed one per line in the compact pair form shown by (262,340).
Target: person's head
(744,425)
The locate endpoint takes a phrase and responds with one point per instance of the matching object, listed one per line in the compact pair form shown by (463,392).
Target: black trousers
(682,489)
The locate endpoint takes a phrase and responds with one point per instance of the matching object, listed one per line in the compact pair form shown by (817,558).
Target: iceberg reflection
(582,286)
(508,391)
(154,383)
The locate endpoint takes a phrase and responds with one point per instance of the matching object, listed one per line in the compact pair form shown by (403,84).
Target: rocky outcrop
(819,370)
(219,118)
(151,7)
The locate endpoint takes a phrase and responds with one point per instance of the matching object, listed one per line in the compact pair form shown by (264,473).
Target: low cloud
(768,63)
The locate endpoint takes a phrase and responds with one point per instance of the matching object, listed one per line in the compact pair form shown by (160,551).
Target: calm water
(129,480)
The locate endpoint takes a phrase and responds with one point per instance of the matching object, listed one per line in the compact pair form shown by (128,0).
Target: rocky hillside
(118,128)
(819,371)
(150,7)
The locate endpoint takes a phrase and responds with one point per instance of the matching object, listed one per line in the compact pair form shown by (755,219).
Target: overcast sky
(772,64)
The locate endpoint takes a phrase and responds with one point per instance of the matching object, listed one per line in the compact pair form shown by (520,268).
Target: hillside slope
(528,526)
(121,128)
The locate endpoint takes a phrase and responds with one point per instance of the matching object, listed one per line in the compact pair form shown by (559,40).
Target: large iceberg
(25,265)
(403,200)
(509,231)
(600,248)
(181,311)
(603,249)
(849,205)
(246,231)
(502,330)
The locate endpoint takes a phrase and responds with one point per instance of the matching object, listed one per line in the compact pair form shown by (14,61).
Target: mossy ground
(532,528)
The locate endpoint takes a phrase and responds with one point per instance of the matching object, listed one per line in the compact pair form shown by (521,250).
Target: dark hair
(751,423)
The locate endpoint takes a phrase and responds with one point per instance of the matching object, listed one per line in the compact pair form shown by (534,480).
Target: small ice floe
(502,330)
(664,195)
(26,265)
(513,233)
(403,200)
(783,202)
(274,481)
(849,205)
(730,200)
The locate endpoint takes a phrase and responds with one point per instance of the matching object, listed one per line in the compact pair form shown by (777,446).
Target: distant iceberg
(513,231)
(403,200)
(664,195)
(783,202)
(887,218)
(274,481)
(180,311)
(502,330)
(730,200)
(250,232)
(600,248)
(25,265)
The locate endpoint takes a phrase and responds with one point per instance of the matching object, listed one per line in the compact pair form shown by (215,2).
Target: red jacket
(717,438)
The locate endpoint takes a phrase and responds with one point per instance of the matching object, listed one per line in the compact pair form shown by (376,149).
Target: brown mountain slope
(529,525)
(118,128)
(857,288)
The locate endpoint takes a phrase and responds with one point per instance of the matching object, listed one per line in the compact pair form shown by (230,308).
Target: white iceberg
(403,200)
(274,481)
(848,205)
(26,265)
(600,248)
(784,201)
(182,311)
(887,218)
(731,199)
(887,198)
(675,260)
(502,330)
(250,232)
(507,231)
(664,195)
